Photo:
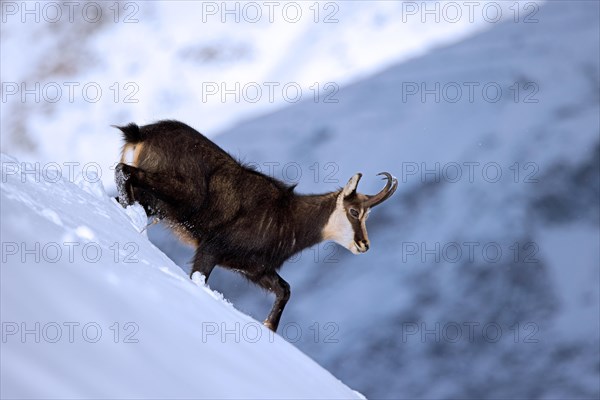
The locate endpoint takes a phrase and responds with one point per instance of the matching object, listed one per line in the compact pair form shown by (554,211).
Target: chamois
(233,215)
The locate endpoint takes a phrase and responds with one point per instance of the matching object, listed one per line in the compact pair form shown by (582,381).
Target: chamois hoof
(269,325)
(122,176)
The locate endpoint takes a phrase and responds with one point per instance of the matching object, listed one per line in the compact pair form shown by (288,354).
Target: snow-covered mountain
(483,278)
(91,309)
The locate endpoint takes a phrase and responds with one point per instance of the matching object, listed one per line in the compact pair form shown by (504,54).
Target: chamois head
(346,225)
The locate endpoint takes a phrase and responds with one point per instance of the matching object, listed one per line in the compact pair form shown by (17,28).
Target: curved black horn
(386,192)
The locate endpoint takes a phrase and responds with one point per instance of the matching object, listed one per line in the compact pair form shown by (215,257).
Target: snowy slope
(91,309)
(393,312)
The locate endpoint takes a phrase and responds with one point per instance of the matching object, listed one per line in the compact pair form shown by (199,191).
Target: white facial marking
(131,154)
(339,229)
(128,152)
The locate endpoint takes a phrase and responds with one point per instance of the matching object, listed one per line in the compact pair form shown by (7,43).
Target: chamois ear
(350,187)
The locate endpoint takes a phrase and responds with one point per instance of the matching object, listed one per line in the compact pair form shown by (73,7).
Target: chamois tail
(131,133)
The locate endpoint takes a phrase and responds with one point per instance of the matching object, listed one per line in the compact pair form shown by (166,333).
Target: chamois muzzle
(386,192)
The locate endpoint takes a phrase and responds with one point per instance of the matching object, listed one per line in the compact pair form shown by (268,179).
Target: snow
(91,309)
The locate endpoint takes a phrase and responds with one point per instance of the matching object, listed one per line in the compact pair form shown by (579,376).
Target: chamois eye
(354,212)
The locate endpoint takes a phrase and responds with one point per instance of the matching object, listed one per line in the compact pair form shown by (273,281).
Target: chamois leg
(165,188)
(275,283)
(124,188)
(128,193)
(203,263)
(151,204)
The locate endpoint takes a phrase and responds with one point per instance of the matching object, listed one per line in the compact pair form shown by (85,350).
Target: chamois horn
(386,192)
